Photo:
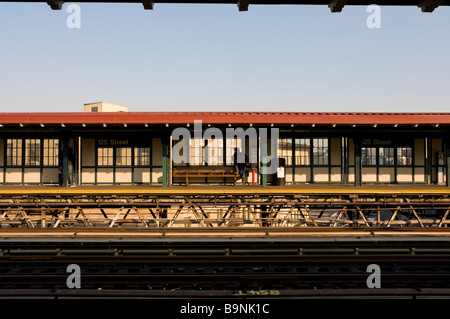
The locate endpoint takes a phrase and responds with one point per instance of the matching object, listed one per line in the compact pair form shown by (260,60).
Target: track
(248,263)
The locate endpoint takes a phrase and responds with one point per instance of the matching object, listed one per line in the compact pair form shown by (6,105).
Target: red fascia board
(225,118)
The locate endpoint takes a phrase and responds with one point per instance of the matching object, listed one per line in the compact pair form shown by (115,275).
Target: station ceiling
(243,5)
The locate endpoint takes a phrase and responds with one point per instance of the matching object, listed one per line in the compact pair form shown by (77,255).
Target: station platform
(303,189)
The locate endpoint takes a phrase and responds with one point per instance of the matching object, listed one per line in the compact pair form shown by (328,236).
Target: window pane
(196,148)
(105,156)
(404,156)
(13,152)
(285,150)
(51,150)
(123,156)
(214,151)
(232,144)
(142,156)
(302,151)
(32,152)
(386,156)
(369,156)
(320,151)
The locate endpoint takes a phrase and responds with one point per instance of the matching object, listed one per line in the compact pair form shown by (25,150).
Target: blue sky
(214,58)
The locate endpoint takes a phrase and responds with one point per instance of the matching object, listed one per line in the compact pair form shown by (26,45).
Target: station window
(142,156)
(214,151)
(369,156)
(196,148)
(285,150)
(231,146)
(14,152)
(123,156)
(386,156)
(320,151)
(404,156)
(51,151)
(32,152)
(105,156)
(302,151)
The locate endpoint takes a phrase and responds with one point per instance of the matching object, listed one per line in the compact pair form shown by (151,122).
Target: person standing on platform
(239,162)
(71,167)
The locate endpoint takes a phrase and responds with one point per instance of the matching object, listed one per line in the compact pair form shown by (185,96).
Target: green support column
(164,163)
(65,162)
(264,172)
(358,168)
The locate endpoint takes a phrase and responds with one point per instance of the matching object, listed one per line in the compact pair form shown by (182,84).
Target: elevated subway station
(353,188)
(334,169)
(119,148)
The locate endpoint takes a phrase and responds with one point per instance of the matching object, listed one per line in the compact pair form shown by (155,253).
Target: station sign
(122,142)
(386,141)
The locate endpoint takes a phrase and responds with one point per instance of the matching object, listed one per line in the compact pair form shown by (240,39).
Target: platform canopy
(227,118)
(243,5)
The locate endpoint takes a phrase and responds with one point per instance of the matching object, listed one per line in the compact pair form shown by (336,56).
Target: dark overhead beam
(243,5)
(148,5)
(336,5)
(429,5)
(55,5)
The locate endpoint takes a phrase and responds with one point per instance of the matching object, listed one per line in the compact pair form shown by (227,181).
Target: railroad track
(247,263)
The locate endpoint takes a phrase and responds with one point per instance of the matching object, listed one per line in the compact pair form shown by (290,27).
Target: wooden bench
(205,172)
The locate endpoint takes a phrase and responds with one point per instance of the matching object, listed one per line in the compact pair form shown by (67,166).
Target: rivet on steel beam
(148,5)
(243,5)
(336,5)
(55,5)
(429,5)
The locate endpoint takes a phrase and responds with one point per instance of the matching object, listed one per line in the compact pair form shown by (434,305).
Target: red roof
(224,118)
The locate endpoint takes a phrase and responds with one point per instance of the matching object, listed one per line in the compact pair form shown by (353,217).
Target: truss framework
(223,210)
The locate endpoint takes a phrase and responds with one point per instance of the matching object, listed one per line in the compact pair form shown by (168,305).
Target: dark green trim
(358,167)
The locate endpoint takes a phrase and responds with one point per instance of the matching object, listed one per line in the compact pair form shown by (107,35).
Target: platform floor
(220,189)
